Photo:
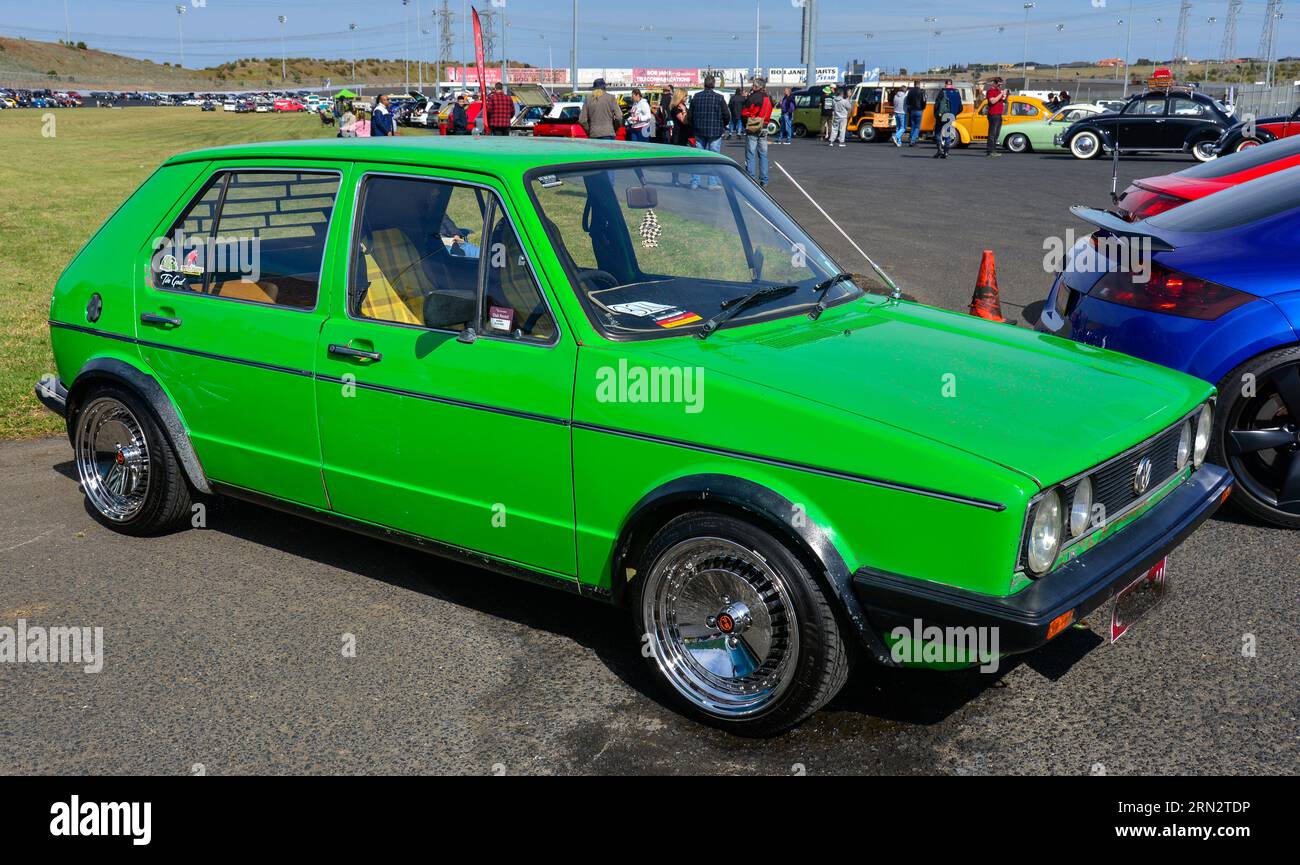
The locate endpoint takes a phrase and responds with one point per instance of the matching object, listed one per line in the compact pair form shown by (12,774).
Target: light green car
(1039,135)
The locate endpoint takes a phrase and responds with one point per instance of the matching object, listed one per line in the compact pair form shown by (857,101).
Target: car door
(228,313)
(444,378)
(1142,125)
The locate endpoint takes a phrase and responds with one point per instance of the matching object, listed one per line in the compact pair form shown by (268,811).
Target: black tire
(166,500)
(1086,145)
(1247,144)
(799,130)
(1017,142)
(805,652)
(1201,150)
(1261,474)
(868,133)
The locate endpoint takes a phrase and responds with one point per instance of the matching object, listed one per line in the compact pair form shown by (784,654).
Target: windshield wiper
(822,288)
(730,308)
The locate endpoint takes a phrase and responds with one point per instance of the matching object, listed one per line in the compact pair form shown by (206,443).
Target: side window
(1186,108)
(416,252)
(256,236)
(512,303)
(1154,105)
(1023,109)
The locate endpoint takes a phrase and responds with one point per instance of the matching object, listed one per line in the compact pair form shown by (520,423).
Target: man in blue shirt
(947,105)
(381,123)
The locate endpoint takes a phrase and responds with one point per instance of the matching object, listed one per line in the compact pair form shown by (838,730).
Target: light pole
(937,34)
(180,27)
(352,34)
(67,26)
(505,69)
(929,42)
(1272,50)
(419,50)
(284,76)
(1156,59)
(573,55)
(406,42)
(1025,71)
(1211,20)
(758,29)
(1128,47)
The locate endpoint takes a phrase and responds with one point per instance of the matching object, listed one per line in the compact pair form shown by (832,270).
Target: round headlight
(1081,508)
(1204,426)
(1045,533)
(1185,445)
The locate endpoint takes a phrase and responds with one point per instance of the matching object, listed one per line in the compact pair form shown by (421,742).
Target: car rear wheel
(128,471)
(1018,143)
(1204,151)
(800,131)
(1085,145)
(735,625)
(1248,143)
(867,133)
(1257,436)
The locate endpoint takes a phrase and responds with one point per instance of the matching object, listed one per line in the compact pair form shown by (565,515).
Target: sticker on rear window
(501,318)
(549,181)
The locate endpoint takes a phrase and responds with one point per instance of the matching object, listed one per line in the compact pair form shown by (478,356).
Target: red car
(1152,195)
(566,126)
(288,105)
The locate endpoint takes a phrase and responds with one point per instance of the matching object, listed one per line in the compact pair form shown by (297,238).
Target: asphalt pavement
(224,647)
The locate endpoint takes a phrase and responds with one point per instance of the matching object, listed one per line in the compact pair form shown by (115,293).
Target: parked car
(534,103)
(208,105)
(543,413)
(562,122)
(1218,299)
(1158,121)
(973,128)
(1039,136)
(1150,196)
(1252,132)
(290,105)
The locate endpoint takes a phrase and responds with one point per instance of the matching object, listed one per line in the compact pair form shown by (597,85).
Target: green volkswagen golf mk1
(621,370)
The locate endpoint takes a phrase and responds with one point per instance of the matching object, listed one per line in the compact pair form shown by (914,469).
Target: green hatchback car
(559,361)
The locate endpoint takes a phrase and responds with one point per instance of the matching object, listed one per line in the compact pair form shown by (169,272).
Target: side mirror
(444,311)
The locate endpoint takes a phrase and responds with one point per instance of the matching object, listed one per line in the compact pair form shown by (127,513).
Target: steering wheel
(589,275)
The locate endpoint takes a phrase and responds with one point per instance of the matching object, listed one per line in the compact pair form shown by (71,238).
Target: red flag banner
(478,56)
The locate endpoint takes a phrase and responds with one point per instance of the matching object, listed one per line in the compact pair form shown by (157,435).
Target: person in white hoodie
(840,111)
(900,115)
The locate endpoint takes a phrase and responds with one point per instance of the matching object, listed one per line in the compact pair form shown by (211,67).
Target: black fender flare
(770,510)
(107,369)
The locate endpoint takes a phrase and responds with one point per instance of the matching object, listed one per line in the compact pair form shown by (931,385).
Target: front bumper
(53,395)
(1081,585)
(1059,139)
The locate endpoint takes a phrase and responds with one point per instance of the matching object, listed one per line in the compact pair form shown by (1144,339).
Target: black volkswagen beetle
(1158,121)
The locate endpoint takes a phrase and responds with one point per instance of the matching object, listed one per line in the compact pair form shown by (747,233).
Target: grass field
(57,191)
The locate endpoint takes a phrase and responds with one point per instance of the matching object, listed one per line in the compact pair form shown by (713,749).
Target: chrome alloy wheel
(112,459)
(722,626)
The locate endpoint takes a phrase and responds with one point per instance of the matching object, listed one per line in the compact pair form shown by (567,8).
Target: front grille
(1112,482)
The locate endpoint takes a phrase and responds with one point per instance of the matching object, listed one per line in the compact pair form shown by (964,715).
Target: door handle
(345,351)
(160,320)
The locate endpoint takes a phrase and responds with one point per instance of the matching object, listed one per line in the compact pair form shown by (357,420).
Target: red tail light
(1138,203)
(1170,292)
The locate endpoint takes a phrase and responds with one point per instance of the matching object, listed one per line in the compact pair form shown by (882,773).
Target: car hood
(1039,405)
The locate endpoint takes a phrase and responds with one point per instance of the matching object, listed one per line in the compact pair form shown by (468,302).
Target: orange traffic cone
(984,303)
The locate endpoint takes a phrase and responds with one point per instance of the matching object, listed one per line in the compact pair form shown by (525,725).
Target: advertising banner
(666,77)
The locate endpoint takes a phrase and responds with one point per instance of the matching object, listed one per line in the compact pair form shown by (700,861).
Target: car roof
(503,154)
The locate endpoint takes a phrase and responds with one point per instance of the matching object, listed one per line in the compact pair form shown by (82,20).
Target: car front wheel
(128,471)
(1018,143)
(867,133)
(1247,144)
(1085,145)
(1257,436)
(736,627)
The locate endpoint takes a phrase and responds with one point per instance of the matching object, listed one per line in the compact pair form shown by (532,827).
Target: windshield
(658,249)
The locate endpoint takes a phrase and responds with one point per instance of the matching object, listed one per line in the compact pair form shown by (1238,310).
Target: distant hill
(29,63)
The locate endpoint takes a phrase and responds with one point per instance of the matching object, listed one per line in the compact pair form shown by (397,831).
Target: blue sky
(686,33)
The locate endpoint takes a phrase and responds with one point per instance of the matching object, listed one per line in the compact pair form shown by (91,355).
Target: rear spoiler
(1112,224)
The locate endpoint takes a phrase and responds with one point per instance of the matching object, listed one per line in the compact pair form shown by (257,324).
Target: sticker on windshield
(676,318)
(641,308)
(501,318)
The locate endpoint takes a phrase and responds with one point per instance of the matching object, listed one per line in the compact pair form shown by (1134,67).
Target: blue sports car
(1211,288)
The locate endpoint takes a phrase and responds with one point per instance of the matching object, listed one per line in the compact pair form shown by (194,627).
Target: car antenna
(1114,169)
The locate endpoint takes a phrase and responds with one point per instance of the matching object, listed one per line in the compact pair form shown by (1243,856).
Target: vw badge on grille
(1142,480)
